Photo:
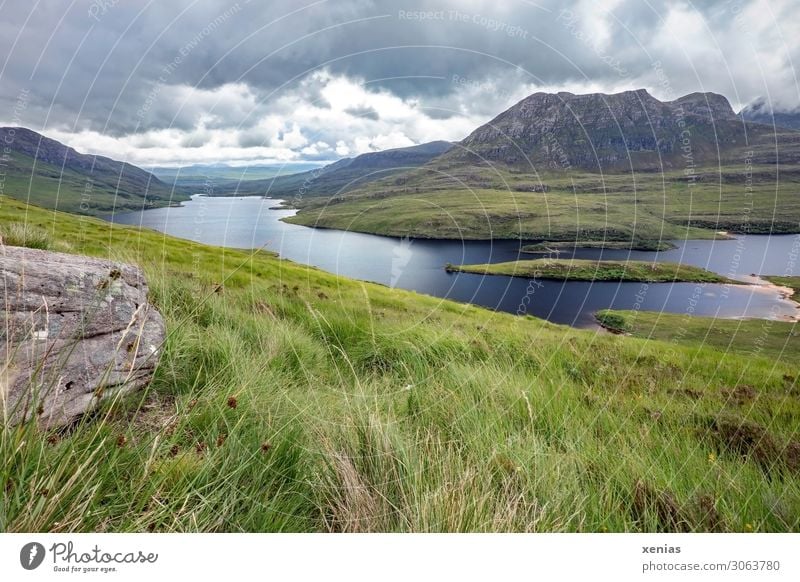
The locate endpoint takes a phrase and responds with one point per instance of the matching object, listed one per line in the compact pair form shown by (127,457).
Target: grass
(289,399)
(575,207)
(18,234)
(777,340)
(591,270)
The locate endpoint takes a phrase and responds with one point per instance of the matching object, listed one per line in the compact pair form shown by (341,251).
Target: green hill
(289,399)
(47,173)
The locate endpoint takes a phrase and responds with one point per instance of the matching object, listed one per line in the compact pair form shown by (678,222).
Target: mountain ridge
(606,132)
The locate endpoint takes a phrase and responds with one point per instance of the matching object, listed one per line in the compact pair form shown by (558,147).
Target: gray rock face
(76,331)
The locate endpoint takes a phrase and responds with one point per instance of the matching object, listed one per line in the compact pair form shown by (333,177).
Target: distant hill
(342,176)
(200,177)
(760,112)
(47,173)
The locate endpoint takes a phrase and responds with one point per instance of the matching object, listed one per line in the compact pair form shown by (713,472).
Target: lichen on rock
(76,331)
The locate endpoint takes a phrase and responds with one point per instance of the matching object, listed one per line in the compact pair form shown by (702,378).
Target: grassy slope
(749,337)
(296,400)
(588,270)
(55,187)
(576,206)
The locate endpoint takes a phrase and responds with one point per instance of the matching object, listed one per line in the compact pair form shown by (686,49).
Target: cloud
(185,81)
(363,111)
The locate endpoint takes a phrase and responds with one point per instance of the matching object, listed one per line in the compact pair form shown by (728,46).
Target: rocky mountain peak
(708,105)
(596,130)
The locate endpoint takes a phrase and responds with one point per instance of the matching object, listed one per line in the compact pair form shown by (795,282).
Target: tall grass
(22,235)
(289,400)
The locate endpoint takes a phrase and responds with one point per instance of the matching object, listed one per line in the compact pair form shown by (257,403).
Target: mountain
(47,173)
(590,168)
(399,157)
(759,111)
(342,176)
(598,132)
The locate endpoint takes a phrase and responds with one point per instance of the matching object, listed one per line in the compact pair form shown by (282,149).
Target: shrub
(613,321)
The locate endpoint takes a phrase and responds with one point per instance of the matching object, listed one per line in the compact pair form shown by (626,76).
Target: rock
(76,330)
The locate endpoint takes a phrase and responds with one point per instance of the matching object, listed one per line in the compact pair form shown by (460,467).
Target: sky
(278,81)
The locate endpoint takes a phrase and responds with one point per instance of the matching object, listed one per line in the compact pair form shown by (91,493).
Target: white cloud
(239,112)
(232,123)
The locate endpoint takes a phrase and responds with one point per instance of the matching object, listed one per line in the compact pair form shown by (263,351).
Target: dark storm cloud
(120,67)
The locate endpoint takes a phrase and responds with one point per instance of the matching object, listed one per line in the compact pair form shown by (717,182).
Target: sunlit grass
(288,399)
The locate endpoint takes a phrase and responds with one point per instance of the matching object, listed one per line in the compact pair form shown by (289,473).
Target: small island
(637,245)
(589,270)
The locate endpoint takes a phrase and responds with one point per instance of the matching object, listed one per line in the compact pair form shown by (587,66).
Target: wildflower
(232,402)
(712,457)
(121,440)
(265,447)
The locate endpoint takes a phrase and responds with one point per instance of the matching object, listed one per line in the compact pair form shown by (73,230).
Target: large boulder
(75,331)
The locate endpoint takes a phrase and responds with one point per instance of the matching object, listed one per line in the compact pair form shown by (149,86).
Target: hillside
(289,399)
(341,176)
(564,167)
(48,173)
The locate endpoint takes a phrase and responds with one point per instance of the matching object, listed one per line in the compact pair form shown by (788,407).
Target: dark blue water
(418,264)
